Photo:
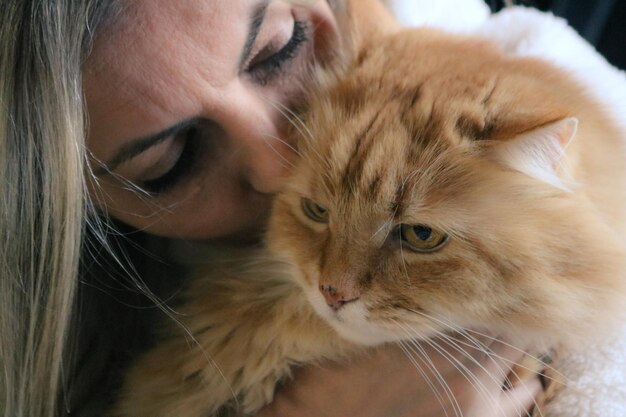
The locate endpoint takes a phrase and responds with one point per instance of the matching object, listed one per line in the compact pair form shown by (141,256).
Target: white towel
(451,15)
(596,377)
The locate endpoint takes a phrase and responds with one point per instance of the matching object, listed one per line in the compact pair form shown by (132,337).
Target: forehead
(382,135)
(377,154)
(155,55)
(412,100)
(159,29)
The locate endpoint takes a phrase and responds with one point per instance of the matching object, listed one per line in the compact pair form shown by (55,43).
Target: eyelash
(183,166)
(266,70)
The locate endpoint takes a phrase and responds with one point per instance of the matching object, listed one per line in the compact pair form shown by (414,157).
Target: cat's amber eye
(314,211)
(421,238)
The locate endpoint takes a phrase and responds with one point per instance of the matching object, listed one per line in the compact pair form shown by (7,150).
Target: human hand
(387,383)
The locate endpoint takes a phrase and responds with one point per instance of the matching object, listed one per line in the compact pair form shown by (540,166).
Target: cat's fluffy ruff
(248,324)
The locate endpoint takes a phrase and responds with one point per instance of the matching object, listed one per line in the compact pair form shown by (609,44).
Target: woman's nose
(266,160)
(263,152)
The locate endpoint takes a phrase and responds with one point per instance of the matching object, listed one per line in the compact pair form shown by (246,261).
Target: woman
(175,111)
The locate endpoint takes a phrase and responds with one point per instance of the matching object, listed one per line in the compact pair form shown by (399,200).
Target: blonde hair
(43,202)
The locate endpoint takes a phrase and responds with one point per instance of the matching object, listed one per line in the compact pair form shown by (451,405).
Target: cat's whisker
(444,337)
(418,350)
(451,399)
(284,142)
(429,383)
(477,344)
(492,354)
(560,376)
(293,119)
(455,328)
(454,343)
(286,162)
(480,387)
(409,177)
(464,371)
(385,224)
(459,365)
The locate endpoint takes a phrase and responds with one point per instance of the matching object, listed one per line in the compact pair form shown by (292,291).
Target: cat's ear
(362,22)
(540,152)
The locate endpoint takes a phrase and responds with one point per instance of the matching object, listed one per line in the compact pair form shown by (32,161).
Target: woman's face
(186,100)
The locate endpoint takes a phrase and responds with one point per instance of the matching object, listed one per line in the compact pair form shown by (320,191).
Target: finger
(522,398)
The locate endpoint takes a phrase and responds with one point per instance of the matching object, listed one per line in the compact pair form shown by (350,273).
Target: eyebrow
(256,20)
(140,145)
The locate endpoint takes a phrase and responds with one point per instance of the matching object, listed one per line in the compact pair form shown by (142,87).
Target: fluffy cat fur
(521,170)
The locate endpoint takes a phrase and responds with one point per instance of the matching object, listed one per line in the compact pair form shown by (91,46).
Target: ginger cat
(440,186)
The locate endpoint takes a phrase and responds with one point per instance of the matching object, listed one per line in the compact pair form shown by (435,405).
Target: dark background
(601,22)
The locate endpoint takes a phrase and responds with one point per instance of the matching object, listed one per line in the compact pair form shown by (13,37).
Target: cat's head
(431,195)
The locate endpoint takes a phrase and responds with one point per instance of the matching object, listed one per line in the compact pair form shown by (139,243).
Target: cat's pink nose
(337,298)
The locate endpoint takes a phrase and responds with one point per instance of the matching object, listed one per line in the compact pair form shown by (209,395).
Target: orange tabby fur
(415,130)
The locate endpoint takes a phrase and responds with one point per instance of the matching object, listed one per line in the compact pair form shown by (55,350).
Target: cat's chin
(350,322)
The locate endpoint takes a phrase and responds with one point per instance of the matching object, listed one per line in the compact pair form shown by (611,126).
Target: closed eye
(189,144)
(269,62)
